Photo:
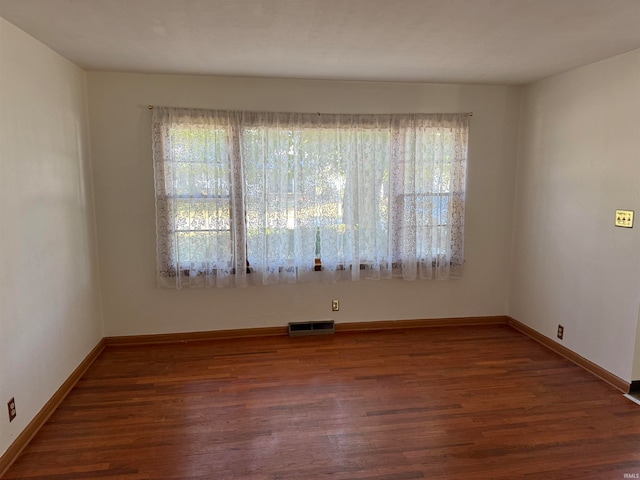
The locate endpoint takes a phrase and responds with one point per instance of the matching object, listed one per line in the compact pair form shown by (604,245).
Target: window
(253,197)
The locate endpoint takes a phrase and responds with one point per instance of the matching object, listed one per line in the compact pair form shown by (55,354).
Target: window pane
(197,178)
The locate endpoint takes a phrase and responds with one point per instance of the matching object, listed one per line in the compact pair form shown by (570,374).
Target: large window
(253,197)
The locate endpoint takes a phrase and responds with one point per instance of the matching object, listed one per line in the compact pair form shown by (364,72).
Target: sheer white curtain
(258,197)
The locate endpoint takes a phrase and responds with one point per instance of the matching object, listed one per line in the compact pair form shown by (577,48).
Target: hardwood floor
(439,403)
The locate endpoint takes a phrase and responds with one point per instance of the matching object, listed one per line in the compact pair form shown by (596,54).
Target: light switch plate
(624,218)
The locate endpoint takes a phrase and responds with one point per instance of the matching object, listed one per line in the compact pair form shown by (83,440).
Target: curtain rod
(150,107)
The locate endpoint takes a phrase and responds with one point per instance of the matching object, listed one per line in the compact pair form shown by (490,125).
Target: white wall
(49,301)
(121,151)
(579,161)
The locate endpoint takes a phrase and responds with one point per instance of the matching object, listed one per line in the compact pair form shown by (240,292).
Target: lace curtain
(261,198)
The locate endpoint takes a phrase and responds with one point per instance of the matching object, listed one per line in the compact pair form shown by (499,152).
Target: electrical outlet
(335,305)
(560,332)
(12,409)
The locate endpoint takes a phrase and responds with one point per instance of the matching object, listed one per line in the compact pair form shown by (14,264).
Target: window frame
(234,138)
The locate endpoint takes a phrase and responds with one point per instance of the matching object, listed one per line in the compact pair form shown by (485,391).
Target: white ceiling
(462,41)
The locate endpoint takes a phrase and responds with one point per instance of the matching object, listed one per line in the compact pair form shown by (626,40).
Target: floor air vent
(319,327)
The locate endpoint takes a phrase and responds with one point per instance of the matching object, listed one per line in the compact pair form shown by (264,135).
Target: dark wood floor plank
(480,402)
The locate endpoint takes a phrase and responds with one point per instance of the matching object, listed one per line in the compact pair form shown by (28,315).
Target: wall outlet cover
(12,409)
